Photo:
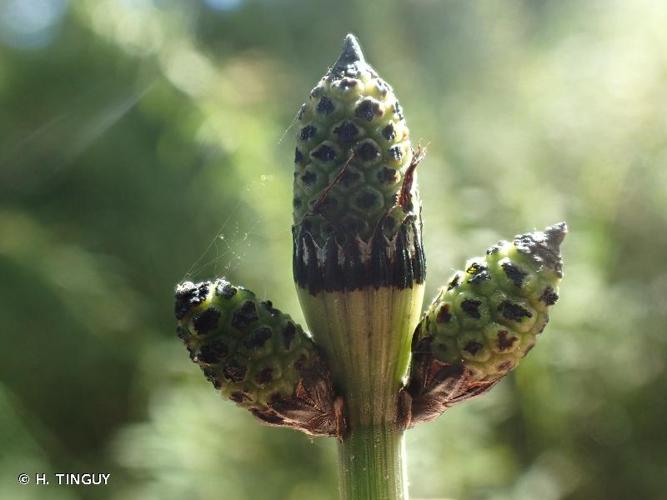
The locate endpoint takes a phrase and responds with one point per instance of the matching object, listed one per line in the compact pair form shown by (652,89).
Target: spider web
(230,244)
(226,250)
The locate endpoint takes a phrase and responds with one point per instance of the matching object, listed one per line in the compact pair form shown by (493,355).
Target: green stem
(371,464)
(366,335)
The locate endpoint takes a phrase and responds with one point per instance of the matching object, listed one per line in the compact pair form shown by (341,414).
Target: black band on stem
(354,264)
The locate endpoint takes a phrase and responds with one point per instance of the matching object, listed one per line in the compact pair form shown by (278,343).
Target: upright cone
(356,205)
(358,257)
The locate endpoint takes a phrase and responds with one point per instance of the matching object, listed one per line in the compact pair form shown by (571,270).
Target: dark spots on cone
(348,83)
(329,204)
(525,241)
(307,132)
(298,156)
(444,314)
(478,272)
(297,202)
(224,289)
(268,307)
(475,268)
(513,312)
(367,151)
(317,92)
(189,295)
(245,315)
(549,296)
(206,321)
(302,110)
(324,153)
(366,199)
(309,178)
(480,277)
(514,274)
(396,153)
(389,132)
(258,337)
(398,110)
(350,178)
(346,132)
(504,341)
(493,250)
(325,106)
(265,376)
(234,371)
(382,86)
(456,281)
(289,332)
(212,352)
(238,396)
(473,347)
(471,308)
(367,110)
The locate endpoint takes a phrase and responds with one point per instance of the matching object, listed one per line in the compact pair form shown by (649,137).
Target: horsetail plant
(373,367)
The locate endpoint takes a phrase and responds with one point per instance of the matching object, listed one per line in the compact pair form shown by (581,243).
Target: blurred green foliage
(143,142)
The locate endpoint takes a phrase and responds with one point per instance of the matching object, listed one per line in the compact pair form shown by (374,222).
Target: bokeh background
(147,141)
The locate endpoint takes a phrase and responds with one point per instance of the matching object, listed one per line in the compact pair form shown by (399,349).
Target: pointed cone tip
(555,234)
(544,246)
(351,52)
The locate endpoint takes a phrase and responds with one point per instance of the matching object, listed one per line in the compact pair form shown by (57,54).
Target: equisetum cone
(358,257)
(484,321)
(257,356)
(359,270)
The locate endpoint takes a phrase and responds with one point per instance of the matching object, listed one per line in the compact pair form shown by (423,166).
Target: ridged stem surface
(366,335)
(371,464)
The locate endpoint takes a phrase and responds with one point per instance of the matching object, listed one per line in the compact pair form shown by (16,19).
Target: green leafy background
(143,142)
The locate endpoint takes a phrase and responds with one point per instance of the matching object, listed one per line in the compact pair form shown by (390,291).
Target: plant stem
(371,464)
(366,335)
